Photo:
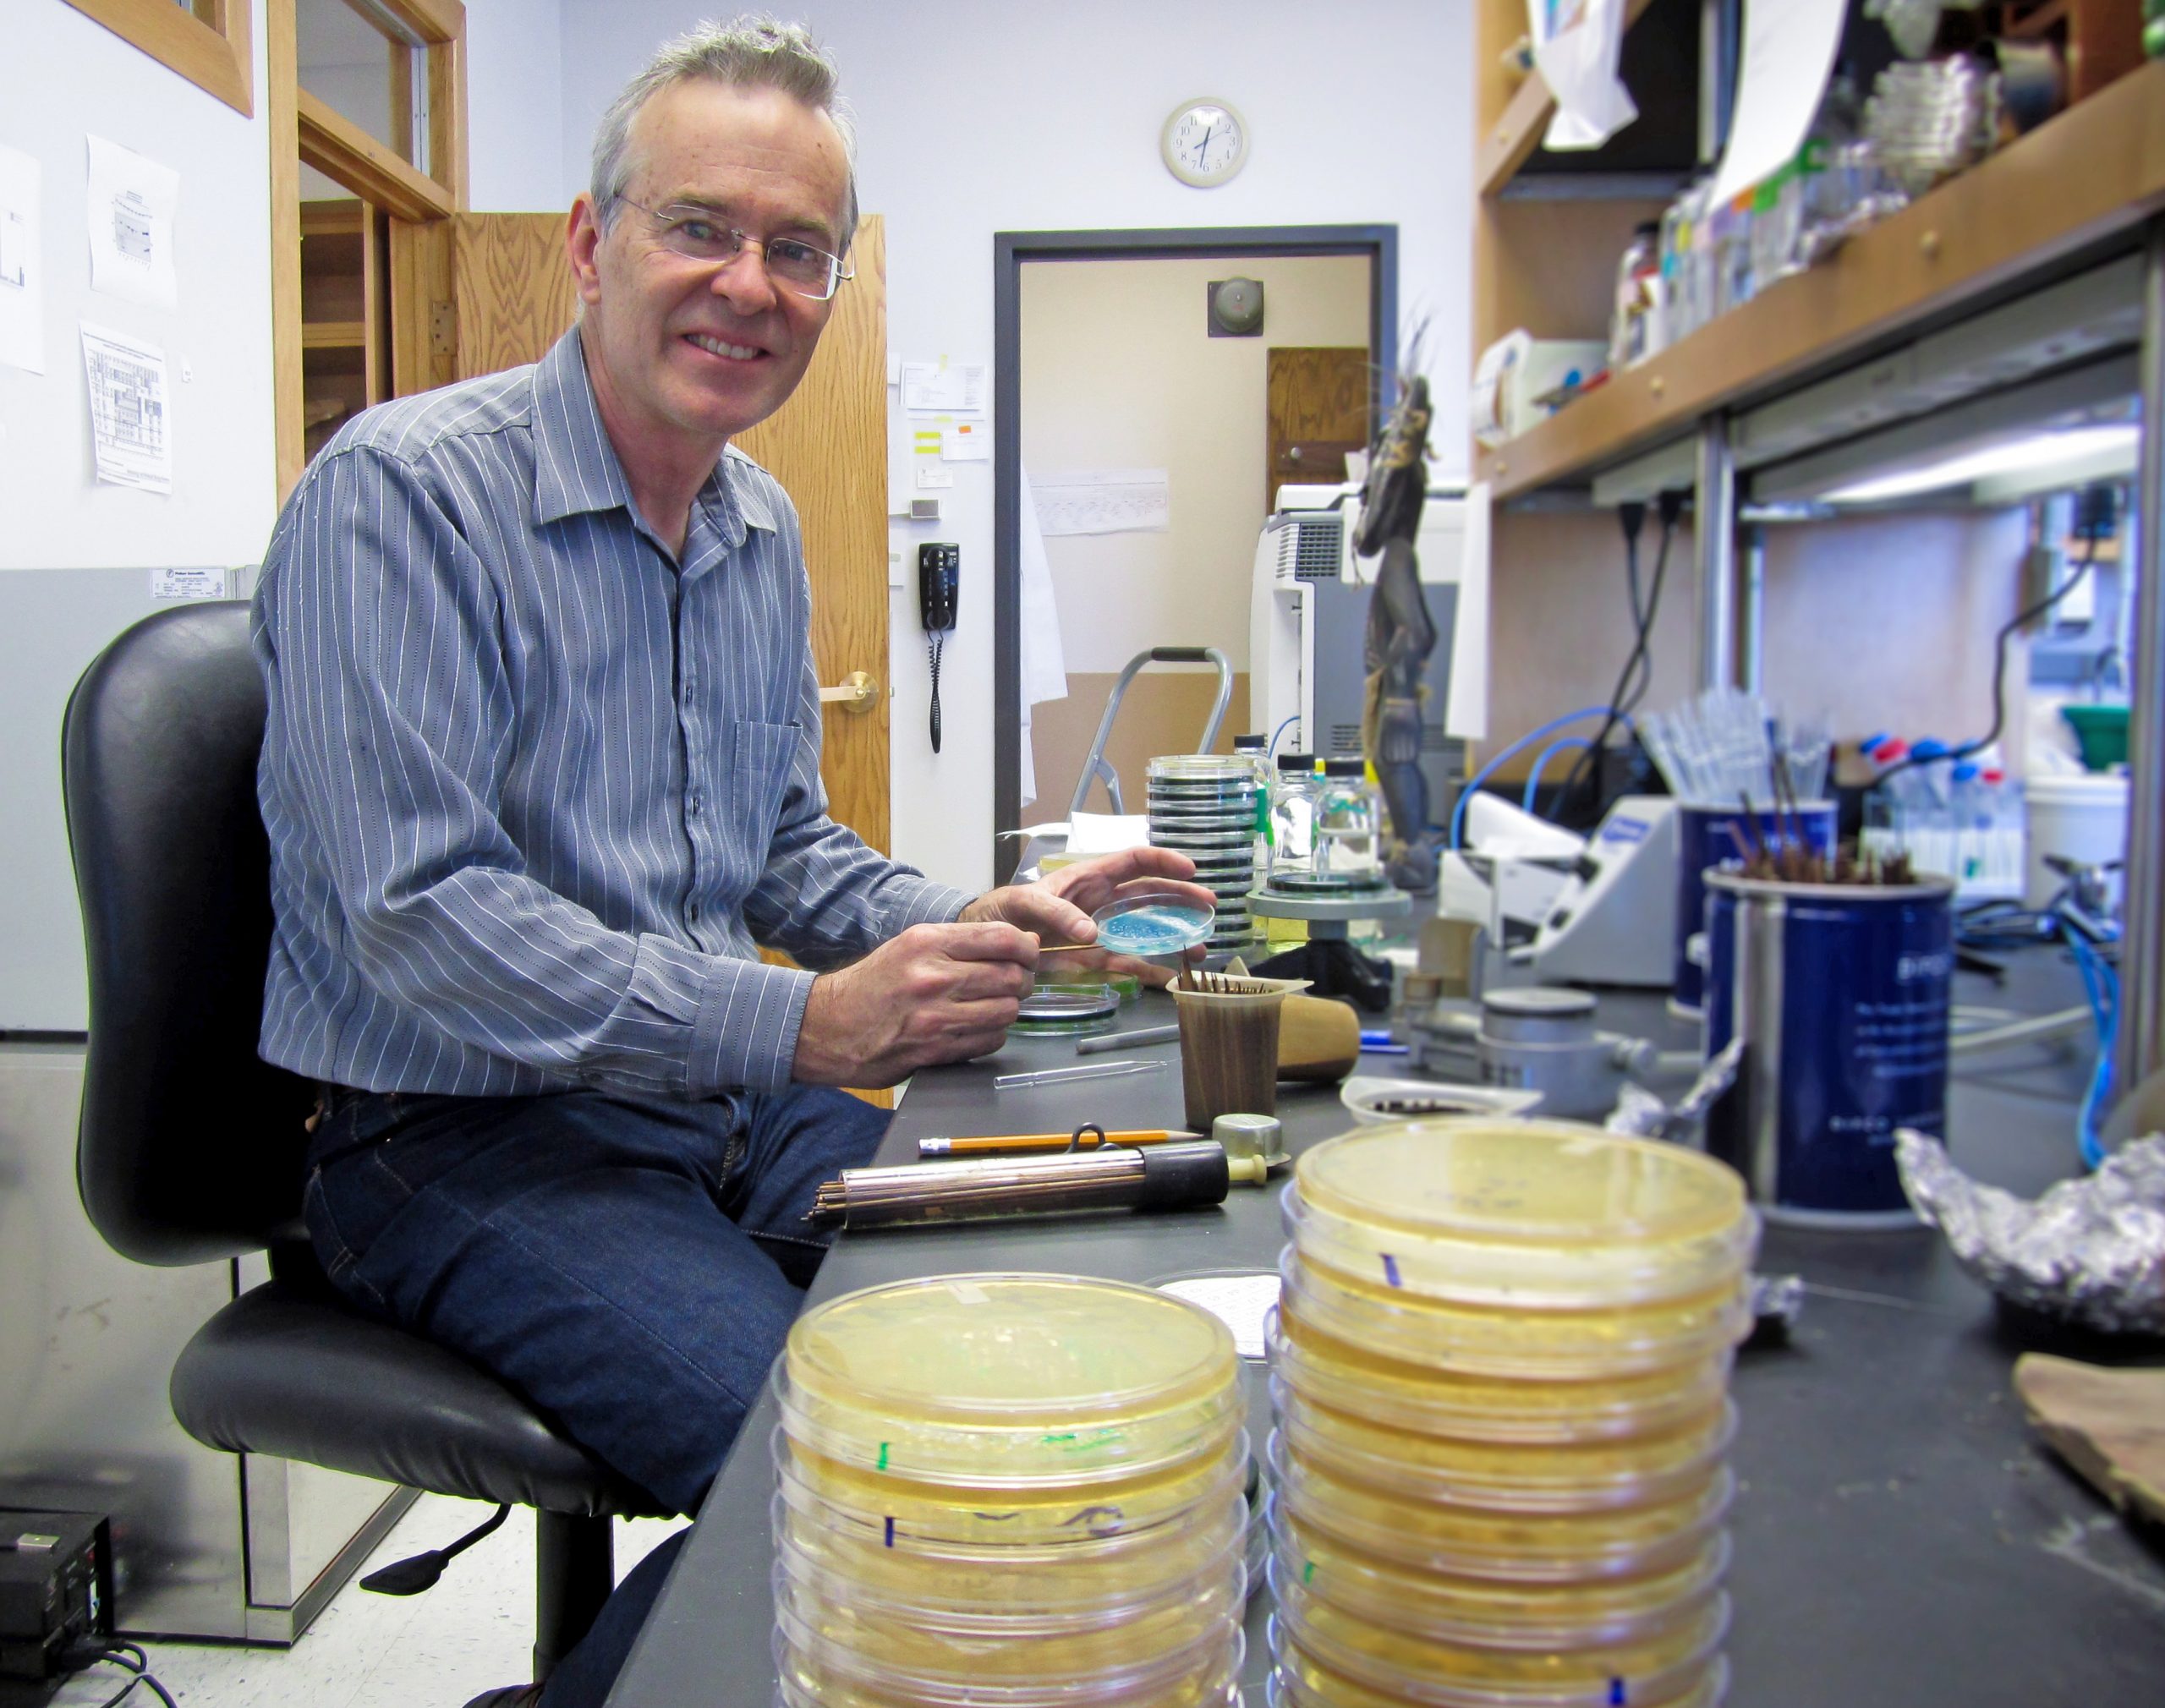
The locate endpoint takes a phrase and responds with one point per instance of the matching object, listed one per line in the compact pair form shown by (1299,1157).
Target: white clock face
(1204,143)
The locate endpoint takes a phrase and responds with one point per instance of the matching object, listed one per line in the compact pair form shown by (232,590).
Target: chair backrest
(190,1147)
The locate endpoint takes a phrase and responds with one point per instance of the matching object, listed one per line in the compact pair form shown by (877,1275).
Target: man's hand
(935,993)
(1057,908)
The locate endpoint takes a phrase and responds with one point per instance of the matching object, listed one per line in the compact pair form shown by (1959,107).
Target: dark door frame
(1011,249)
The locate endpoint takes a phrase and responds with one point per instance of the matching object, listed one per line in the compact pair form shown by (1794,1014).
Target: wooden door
(1318,411)
(498,291)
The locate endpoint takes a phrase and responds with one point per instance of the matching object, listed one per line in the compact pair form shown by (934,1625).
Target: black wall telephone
(939,585)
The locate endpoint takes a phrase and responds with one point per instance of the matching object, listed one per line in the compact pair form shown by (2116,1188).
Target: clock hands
(1203,145)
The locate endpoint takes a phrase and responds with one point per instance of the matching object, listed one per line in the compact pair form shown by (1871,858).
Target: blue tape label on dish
(1390,1270)
(891,1533)
(1615,1693)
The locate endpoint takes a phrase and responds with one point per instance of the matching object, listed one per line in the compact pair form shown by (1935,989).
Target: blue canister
(1708,836)
(1841,993)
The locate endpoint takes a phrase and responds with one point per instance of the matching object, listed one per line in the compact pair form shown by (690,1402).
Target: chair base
(575,1568)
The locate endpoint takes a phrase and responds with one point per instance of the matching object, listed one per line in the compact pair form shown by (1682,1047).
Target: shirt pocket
(760,757)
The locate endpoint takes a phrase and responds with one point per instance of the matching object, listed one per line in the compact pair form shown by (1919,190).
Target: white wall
(515,108)
(1180,400)
(62,77)
(983,116)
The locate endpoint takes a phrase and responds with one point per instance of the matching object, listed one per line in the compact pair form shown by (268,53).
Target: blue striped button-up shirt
(535,788)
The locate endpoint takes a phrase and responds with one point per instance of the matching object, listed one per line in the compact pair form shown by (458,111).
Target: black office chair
(191,1147)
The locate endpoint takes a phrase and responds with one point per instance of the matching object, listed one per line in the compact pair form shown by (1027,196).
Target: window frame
(210,44)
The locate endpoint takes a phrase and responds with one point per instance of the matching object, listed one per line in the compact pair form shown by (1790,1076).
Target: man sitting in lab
(541,773)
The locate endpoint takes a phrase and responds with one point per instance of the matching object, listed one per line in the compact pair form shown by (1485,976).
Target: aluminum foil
(1641,1115)
(2090,1251)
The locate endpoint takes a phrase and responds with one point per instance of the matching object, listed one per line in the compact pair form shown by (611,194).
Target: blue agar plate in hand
(1156,922)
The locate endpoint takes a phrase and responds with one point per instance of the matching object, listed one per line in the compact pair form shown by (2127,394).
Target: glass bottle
(1292,821)
(1348,827)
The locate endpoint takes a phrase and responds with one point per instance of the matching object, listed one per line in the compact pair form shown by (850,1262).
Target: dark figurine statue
(1400,636)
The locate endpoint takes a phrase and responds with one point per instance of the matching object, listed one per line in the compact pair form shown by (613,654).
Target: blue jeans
(631,1265)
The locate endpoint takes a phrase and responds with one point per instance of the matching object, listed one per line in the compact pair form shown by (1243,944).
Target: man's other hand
(1057,908)
(935,993)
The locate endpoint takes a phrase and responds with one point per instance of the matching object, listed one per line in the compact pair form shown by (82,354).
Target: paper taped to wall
(22,262)
(129,427)
(1106,500)
(935,387)
(132,201)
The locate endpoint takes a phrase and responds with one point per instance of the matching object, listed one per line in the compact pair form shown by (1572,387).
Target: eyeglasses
(697,234)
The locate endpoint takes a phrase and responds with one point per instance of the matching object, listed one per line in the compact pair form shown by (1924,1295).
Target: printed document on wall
(936,388)
(1106,500)
(22,262)
(132,201)
(1788,51)
(129,427)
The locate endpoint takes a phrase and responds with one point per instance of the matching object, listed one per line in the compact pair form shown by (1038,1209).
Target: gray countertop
(1900,1541)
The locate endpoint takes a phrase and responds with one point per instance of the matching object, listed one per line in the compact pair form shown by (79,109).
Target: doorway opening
(1116,356)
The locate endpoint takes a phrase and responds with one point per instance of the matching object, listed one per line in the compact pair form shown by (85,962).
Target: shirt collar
(575,465)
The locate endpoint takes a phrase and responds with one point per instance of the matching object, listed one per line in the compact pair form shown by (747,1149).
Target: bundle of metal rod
(1163,1177)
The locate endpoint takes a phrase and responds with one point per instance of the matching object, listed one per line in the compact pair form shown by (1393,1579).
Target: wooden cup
(1229,1053)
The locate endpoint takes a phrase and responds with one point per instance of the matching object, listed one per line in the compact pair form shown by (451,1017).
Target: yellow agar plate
(1510,1547)
(995,1380)
(1529,1214)
(1653,1669)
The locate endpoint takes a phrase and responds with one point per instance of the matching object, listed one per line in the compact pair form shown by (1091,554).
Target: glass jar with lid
(1293,797)
(1349,837)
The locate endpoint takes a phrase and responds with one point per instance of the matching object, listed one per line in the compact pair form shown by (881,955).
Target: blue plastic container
(1704,839)
(1841,993)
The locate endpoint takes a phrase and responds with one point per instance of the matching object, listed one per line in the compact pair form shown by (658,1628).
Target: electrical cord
(130,1659)
(2094,521)
(935,644)
(1638,663)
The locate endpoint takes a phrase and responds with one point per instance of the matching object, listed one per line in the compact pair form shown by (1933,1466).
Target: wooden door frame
(1011,251)
(301,128)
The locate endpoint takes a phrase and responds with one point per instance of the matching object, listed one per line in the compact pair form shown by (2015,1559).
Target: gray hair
(751,52)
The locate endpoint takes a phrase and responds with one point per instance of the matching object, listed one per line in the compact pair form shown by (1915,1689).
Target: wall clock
(1204,143)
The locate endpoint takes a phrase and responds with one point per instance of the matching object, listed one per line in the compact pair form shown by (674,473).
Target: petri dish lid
(1506,1547)
(1505,1616)
(1526,1213)
(1298,1682)
(992,1379)
(1512,1476)
(1656,1669)
(980,1608)
(1068,1002)
(1085,1520)
(1087,1577)
(1179,767)
(1152,921)
(1487,1339)
(1026,1674)
(1427,1401)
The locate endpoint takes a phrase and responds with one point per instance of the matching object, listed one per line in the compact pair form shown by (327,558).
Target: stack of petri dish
(1500,1376)
(1205,805)
(1010,1491)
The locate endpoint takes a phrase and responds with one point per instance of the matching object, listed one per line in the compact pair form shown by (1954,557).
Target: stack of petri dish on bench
(1010,1491)
(1500,1371)
(1205,805)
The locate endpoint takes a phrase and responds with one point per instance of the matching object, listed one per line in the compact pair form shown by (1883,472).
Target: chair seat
(303,1375)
